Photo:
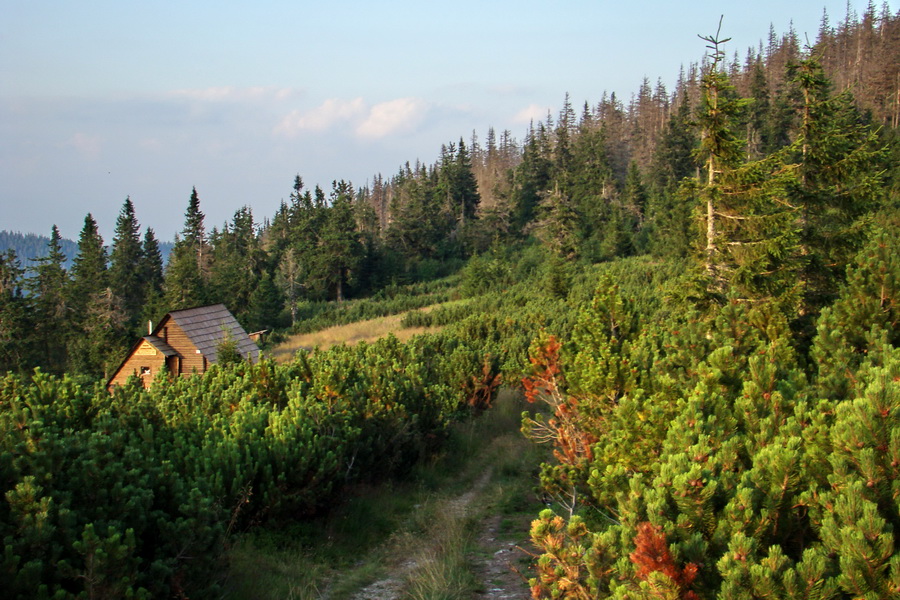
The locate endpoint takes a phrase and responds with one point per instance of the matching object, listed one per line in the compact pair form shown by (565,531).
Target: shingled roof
(160,345)
(208,326)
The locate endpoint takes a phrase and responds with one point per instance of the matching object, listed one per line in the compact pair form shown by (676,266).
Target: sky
(103,100)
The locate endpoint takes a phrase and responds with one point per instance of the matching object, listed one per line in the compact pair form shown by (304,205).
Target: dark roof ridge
(207,327)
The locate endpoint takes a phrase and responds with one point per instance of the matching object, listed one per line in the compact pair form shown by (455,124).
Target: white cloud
(530,113)
(370,122)
(324,116)
(396,116)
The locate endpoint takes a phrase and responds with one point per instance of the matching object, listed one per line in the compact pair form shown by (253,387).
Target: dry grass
(362,331)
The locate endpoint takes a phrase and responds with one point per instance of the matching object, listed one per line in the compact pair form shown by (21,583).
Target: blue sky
(100,100)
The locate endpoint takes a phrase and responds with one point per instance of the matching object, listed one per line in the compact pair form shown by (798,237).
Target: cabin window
(145,371)
(166,334)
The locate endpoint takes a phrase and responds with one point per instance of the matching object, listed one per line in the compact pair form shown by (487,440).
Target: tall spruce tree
(99,330)
(562,148)
(151,264)
(152,279)
(841,181)
(634,194)
(90,274)
(751,234)
(47,286)
(289,279)
(758,130)
(719,151)
(126,278)
(558,227)
(187,272)
(194,232)
(102,337)
(590,184)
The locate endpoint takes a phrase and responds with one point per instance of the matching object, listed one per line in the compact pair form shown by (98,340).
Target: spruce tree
(590,183)
(100,330)
(719,150)
(151,264)
(531,178)
(558,227)
(456,186)
(103,336)
(634,195)
(751,241)
(562,148)
(266,304)
(465,191)
(187,272)
(669,226)
(194,232)
(673,159)
(125,270)
(339,251)
(16,329)
(841,181)
(420,222)
(48,286)
(152,280)
(90,273)
(235,262)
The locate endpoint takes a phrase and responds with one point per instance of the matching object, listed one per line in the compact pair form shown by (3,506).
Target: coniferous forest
(698,290)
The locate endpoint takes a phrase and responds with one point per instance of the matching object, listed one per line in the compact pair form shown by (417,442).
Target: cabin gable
(145,360)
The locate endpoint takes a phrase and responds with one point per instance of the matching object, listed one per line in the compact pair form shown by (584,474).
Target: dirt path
(495,562)
(500,565)
(390,588)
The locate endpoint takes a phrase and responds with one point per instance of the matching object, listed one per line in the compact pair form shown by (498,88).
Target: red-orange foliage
(484,387)
(651,555)
(546,374)
(564,430)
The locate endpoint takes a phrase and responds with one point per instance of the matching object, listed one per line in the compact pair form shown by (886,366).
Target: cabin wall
(190,361)
(145,357)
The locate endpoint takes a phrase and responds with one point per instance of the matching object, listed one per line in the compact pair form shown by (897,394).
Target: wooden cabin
(185,342)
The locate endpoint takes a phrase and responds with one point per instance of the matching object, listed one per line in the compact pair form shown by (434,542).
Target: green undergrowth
(410,527)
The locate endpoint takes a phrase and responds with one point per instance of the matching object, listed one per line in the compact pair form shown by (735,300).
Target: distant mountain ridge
(30,246)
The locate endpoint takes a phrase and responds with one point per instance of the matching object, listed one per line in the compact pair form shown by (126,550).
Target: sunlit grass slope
(352,333)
